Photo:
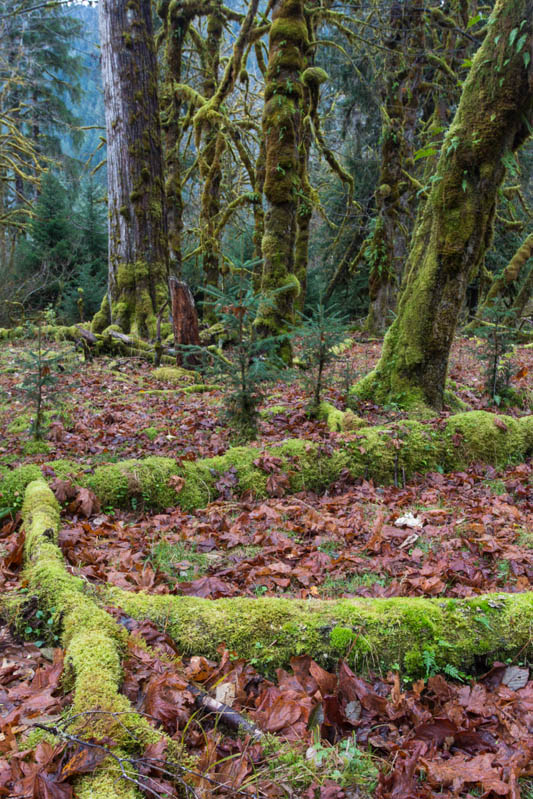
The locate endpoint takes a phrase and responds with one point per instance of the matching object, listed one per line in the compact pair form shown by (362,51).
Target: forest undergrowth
(323,733)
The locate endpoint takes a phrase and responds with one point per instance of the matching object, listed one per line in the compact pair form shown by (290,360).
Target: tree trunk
(492,121)
(282,130)
(138,256)
(211,146)
(511,274)
(388,247)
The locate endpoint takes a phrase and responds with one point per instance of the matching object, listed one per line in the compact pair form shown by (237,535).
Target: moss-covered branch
(385,454)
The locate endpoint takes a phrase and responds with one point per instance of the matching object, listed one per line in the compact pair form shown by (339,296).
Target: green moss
(341,638)
(174,374)
(201,388)
(36,448)
(480,436)
(332,416)
(454,402)
(150,432)
(147,481)
(386,631)
(266,413)
(314,76)
(13,484)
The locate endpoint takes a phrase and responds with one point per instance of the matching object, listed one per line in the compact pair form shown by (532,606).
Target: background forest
(382,88)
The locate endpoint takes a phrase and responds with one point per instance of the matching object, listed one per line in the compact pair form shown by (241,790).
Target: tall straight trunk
(138,247)
(209,161)
(492,121)
(282,131)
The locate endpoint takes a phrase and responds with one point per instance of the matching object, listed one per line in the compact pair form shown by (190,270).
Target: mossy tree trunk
(138,248)
(492,121)
(505,285)
(175,23)
(211,146)
(387,249)
(282,131)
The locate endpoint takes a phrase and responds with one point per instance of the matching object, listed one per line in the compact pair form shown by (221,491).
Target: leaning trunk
(137,226)
(492,121)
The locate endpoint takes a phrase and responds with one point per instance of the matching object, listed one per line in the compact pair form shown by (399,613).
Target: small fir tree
(499,337)
(320,332)
(40,381)
(249,363)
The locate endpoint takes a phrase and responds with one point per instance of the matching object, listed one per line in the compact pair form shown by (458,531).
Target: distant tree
(45,258)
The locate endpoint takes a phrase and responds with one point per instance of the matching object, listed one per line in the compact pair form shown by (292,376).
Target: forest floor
(329,735)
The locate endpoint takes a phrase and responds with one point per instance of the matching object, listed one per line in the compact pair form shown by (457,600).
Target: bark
(211,145)
(493,120)
(282,131)
(387,249)
(138,247)
(184,320)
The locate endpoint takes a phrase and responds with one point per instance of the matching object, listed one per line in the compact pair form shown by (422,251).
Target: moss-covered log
(492,121)
(385,454)
(93,643)
(138,247)
(373,634)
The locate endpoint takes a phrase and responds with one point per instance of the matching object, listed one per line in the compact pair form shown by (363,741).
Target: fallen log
(94,644)
(385,454)
(371,634)
(375,634)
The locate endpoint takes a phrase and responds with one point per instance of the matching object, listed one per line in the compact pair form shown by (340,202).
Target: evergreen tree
(46,258)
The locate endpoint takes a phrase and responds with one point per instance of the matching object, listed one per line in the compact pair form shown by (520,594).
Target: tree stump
(184,322)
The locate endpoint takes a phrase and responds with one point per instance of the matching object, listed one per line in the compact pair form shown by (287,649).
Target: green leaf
(513,35)
(474,20)
(521,42)
(425,152)
(527,59)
